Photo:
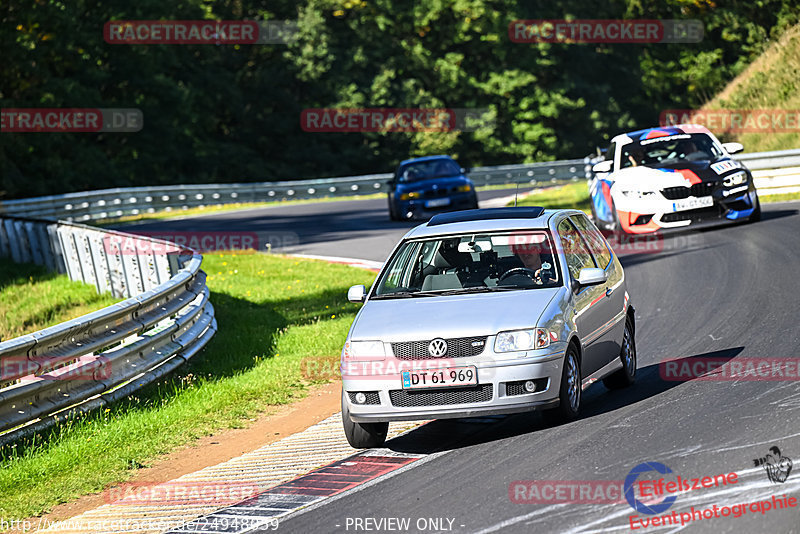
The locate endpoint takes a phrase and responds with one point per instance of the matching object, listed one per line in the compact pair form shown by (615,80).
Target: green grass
(780,197)
(770,82)
(565,196)
(281,321)
(32,298)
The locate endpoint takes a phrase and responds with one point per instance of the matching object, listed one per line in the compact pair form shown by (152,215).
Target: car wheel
(569,392)
(756,215)
(627,375)
(392,215)
(362,435)
(616,227)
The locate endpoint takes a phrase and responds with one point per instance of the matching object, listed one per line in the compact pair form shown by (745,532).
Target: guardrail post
(37,255)
(99,263)
(5,246)
(22,242)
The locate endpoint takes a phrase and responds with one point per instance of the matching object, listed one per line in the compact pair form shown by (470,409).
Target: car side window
(595,240)
(575,249)
(400,269)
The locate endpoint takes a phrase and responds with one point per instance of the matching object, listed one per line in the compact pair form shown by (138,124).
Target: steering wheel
(518,270)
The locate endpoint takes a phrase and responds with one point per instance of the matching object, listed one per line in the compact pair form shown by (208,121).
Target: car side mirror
(732,148)
(357,294)
(591,276)
(603,166)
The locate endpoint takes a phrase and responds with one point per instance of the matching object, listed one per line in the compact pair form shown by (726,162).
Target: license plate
(692,203)
(437,203)
(440,378)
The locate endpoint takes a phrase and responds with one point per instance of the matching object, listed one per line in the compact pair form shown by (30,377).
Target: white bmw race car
(671,177)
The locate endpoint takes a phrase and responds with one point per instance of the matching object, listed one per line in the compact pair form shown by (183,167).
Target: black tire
(392,214)
(569,391)
(756,215)
(627,375)
(362,435)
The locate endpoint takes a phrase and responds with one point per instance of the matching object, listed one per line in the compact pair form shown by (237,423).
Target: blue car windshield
(668,150)
(470,264)
(425,170)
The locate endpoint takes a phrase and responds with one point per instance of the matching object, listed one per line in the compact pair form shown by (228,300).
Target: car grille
(372,397)
(405,398)
(697,190)
(692,215)
(456,348)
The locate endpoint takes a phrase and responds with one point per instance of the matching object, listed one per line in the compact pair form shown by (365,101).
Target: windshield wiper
(481,289)
(404,295)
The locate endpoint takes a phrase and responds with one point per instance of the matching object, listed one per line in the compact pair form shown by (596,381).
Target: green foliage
(232,113)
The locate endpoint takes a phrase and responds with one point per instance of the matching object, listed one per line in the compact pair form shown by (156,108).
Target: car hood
(423,318)
(685,173)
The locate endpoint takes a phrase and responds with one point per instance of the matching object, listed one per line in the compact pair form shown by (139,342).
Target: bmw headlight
(637,194)
(735,179)
(516,340)
(363,350)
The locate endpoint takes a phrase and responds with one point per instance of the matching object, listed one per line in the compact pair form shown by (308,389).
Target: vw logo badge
(437,348)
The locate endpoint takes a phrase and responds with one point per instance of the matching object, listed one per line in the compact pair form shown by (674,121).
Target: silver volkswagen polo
(487,311)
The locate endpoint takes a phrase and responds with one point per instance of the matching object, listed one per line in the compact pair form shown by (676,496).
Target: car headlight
(637,194)
(464,188)
(533,338)
(363,350)
(410,195)
(735,179)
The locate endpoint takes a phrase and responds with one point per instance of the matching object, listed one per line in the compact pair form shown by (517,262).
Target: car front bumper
(498,390)
(426,207)
(648,216)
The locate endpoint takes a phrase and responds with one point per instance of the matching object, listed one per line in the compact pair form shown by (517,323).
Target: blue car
(422,187)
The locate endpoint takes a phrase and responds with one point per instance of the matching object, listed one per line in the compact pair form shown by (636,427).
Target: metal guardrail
(90,361)
(119,202)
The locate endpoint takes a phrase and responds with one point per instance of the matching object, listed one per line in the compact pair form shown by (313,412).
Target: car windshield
(425,170)
(669,150)
(472,263)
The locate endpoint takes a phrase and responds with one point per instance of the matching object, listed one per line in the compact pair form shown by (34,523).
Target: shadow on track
(451,434)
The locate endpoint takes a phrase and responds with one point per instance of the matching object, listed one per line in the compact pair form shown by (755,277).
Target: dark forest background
(232,113)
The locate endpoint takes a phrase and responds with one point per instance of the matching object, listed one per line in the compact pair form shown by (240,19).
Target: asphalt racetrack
(731,292)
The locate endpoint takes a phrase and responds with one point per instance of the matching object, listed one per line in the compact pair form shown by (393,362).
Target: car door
(612,306)
(587,316)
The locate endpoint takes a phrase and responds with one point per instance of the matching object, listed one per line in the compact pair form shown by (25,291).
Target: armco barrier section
(85,363)
(114,203)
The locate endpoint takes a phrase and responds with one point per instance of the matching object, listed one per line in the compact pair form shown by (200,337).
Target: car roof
(425,158)
(659,131)
(487,220)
